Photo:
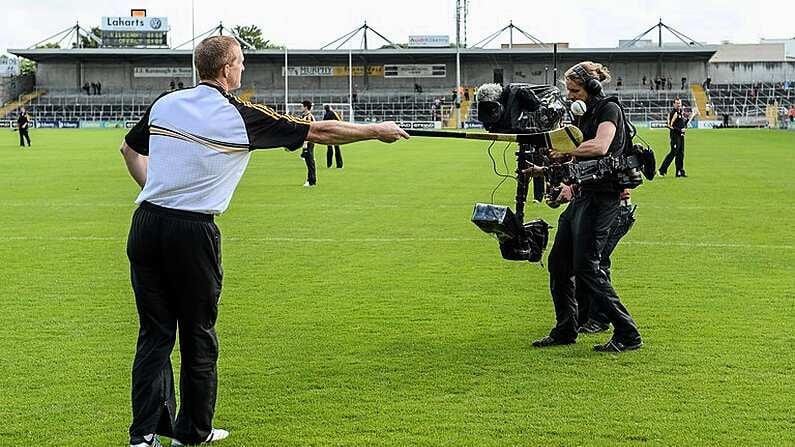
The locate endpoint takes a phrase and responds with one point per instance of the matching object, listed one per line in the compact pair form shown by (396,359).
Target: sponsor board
(419,124)
(102,124)
(7,124)
(709,124)
(415,71)
(69,124)
(429,41)
(47,124)
(473,125)
(329,70)
(162,72)
(130,124)
(658,125)
(134,24)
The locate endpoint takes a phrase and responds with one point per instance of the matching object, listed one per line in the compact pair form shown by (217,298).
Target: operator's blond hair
(596,70)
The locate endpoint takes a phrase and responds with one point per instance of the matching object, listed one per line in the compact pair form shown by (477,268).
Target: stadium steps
(700,98)
(11,106)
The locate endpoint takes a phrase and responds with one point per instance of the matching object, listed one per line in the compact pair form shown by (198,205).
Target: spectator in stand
(619,83)
(172,85)
(707,83)
(657,82)
(670,84)
(684,82)
(180,85)
(791,114)
(99,88)
(417,88)
(355,93)
(436,109)
(87,88)
(644,80)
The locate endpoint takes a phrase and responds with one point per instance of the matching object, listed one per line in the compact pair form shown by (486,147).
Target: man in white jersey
(188,154)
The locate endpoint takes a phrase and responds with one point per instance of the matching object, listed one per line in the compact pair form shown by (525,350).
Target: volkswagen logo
(155,23)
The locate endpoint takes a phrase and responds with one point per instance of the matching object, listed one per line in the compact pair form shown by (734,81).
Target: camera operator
(583,228)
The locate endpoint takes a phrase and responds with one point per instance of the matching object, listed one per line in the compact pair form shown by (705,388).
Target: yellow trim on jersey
(196,139)
(672,119)
(270,112)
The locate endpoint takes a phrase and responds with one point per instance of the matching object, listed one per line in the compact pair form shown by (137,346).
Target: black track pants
(175,264)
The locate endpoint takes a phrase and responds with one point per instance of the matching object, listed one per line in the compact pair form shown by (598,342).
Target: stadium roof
(749,53)
(651,53)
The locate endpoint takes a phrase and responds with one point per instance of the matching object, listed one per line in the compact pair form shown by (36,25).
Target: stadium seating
(750,99)
(744,100)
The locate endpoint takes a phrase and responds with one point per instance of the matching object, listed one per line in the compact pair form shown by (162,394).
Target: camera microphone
(578,108)
(489,92)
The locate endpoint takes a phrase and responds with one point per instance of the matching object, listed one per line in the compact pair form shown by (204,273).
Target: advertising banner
(70,124)
(134,24)
(102,124)
(658,125)
(419,124)
(162,72)
(415,71)
(429,41)
(709,124)
(328,70)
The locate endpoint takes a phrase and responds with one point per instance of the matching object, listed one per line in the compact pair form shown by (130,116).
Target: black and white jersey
(199,141)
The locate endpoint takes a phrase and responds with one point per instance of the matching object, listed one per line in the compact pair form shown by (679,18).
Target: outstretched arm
(340,132)
(136,163)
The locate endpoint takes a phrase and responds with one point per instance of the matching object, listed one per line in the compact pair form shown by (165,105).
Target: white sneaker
(308,185)
(216,435)
(150,440)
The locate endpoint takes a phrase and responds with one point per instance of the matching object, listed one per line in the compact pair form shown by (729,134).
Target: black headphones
(592,85)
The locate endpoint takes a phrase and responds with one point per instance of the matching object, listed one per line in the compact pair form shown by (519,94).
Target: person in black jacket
(23,123)
(331,114)
(676,125)
(583,228)
(308,153)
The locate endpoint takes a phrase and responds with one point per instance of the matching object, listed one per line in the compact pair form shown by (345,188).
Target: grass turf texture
(369,310)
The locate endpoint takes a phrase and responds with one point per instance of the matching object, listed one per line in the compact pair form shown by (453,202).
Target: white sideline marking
(356,206)
(391,240)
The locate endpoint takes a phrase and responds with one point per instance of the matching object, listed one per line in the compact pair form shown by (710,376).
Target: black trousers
(175,265)
(583,230)
(308,154)
(23,133)
(336,152)
(590,309)
(677,152)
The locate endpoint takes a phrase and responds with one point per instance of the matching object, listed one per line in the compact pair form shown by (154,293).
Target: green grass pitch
(370,311)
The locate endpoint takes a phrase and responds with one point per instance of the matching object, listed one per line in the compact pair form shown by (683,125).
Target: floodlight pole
(193,40)
(350,84)
(457,105)
(286,74)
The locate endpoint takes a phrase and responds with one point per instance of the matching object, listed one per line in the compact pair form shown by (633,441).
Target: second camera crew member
(583,228)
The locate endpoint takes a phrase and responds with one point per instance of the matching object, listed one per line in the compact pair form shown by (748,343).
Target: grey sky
(313,23)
